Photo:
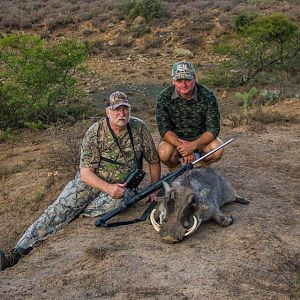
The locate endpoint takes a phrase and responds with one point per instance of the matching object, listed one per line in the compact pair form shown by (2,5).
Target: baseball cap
(183,70)
(117,99)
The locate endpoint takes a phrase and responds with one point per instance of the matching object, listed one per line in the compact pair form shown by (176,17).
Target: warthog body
(194,197)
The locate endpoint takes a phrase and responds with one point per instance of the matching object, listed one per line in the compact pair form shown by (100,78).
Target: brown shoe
(7,261)
(175,168)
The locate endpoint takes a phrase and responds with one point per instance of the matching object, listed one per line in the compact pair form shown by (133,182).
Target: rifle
(170,177)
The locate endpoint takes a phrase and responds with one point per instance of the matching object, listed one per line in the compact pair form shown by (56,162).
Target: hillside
(257,257)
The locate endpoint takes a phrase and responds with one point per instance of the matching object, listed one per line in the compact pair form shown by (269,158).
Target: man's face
(119,116)
(184,87)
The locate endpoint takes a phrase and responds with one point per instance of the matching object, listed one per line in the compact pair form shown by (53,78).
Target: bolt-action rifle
(169,178)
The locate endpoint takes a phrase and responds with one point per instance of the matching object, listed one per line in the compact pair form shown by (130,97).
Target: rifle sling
(112,161)
(143,217)
(138,162)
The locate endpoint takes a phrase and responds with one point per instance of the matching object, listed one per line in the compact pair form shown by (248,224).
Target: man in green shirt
(188,119)
(111,149)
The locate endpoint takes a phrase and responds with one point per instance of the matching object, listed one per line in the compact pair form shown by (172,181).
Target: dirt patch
(255,258)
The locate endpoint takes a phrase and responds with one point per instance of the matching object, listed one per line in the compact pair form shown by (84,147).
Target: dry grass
(19,14)
(97,253)
(66,153)
(16,14)
(258,117)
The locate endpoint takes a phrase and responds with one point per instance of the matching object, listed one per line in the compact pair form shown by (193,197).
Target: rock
(183,52)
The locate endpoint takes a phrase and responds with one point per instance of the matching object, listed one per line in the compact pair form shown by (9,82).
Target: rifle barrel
(212,151)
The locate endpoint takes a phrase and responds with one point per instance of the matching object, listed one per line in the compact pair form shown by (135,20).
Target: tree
(37,78)
(260,44)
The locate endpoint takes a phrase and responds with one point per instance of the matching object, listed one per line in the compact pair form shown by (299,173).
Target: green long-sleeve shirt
(188,118)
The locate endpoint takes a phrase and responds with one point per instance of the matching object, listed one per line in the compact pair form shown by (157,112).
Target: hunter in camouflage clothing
(188,119)
(111,149)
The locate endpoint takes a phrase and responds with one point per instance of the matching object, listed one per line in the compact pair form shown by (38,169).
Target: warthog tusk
(153,221)
(193,228)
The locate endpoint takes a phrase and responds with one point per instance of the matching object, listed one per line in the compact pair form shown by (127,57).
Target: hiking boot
(7,261)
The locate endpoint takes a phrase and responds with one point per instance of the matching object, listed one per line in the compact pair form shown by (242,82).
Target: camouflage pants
(76,199)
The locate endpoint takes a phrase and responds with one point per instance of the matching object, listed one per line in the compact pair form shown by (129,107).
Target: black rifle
(169,178)
(134,179)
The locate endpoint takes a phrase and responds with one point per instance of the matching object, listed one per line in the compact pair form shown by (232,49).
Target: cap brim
(118,105)
(181,76)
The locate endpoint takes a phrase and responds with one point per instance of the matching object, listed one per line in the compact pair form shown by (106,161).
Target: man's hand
(152,196)
(116,190)
(186,148)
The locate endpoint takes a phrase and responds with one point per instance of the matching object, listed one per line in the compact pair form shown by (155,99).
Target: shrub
(66,154)
(220,76)
(260,45)
(37,79)
(5,135)
(140,30)
(246,98)
(244,20)
(269,96)
(149,9)
(59,21)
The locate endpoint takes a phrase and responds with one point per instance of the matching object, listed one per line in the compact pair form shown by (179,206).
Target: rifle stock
(170,177)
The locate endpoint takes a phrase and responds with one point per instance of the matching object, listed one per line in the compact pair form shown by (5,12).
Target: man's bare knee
(167,153)
(217,155)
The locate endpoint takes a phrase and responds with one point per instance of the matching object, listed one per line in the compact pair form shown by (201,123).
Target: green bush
(269,96)
(37,79)
(246,98)
(149,9)
(260,45)
(5,135)
(244,20)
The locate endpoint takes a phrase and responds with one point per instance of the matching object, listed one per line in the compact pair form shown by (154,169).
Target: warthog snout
(172,232)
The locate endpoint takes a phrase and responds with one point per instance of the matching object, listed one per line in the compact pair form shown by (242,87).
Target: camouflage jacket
(98,143)
(188,118)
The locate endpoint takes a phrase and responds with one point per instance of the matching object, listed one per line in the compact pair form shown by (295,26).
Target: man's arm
(88,176)
(163,119)
(213,116)
(186,147)
(171,138)
(155,172)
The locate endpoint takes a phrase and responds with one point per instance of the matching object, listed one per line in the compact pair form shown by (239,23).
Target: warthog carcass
(192,198)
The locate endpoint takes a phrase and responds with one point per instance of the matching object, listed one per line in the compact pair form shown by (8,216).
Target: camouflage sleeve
(149,148)
(213,116)
(89,156)
(163,119)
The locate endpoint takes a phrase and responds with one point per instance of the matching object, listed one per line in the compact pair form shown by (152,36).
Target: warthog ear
(167,188)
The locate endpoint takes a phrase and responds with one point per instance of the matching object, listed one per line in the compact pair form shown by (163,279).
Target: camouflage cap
(183,70)
(117,99)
